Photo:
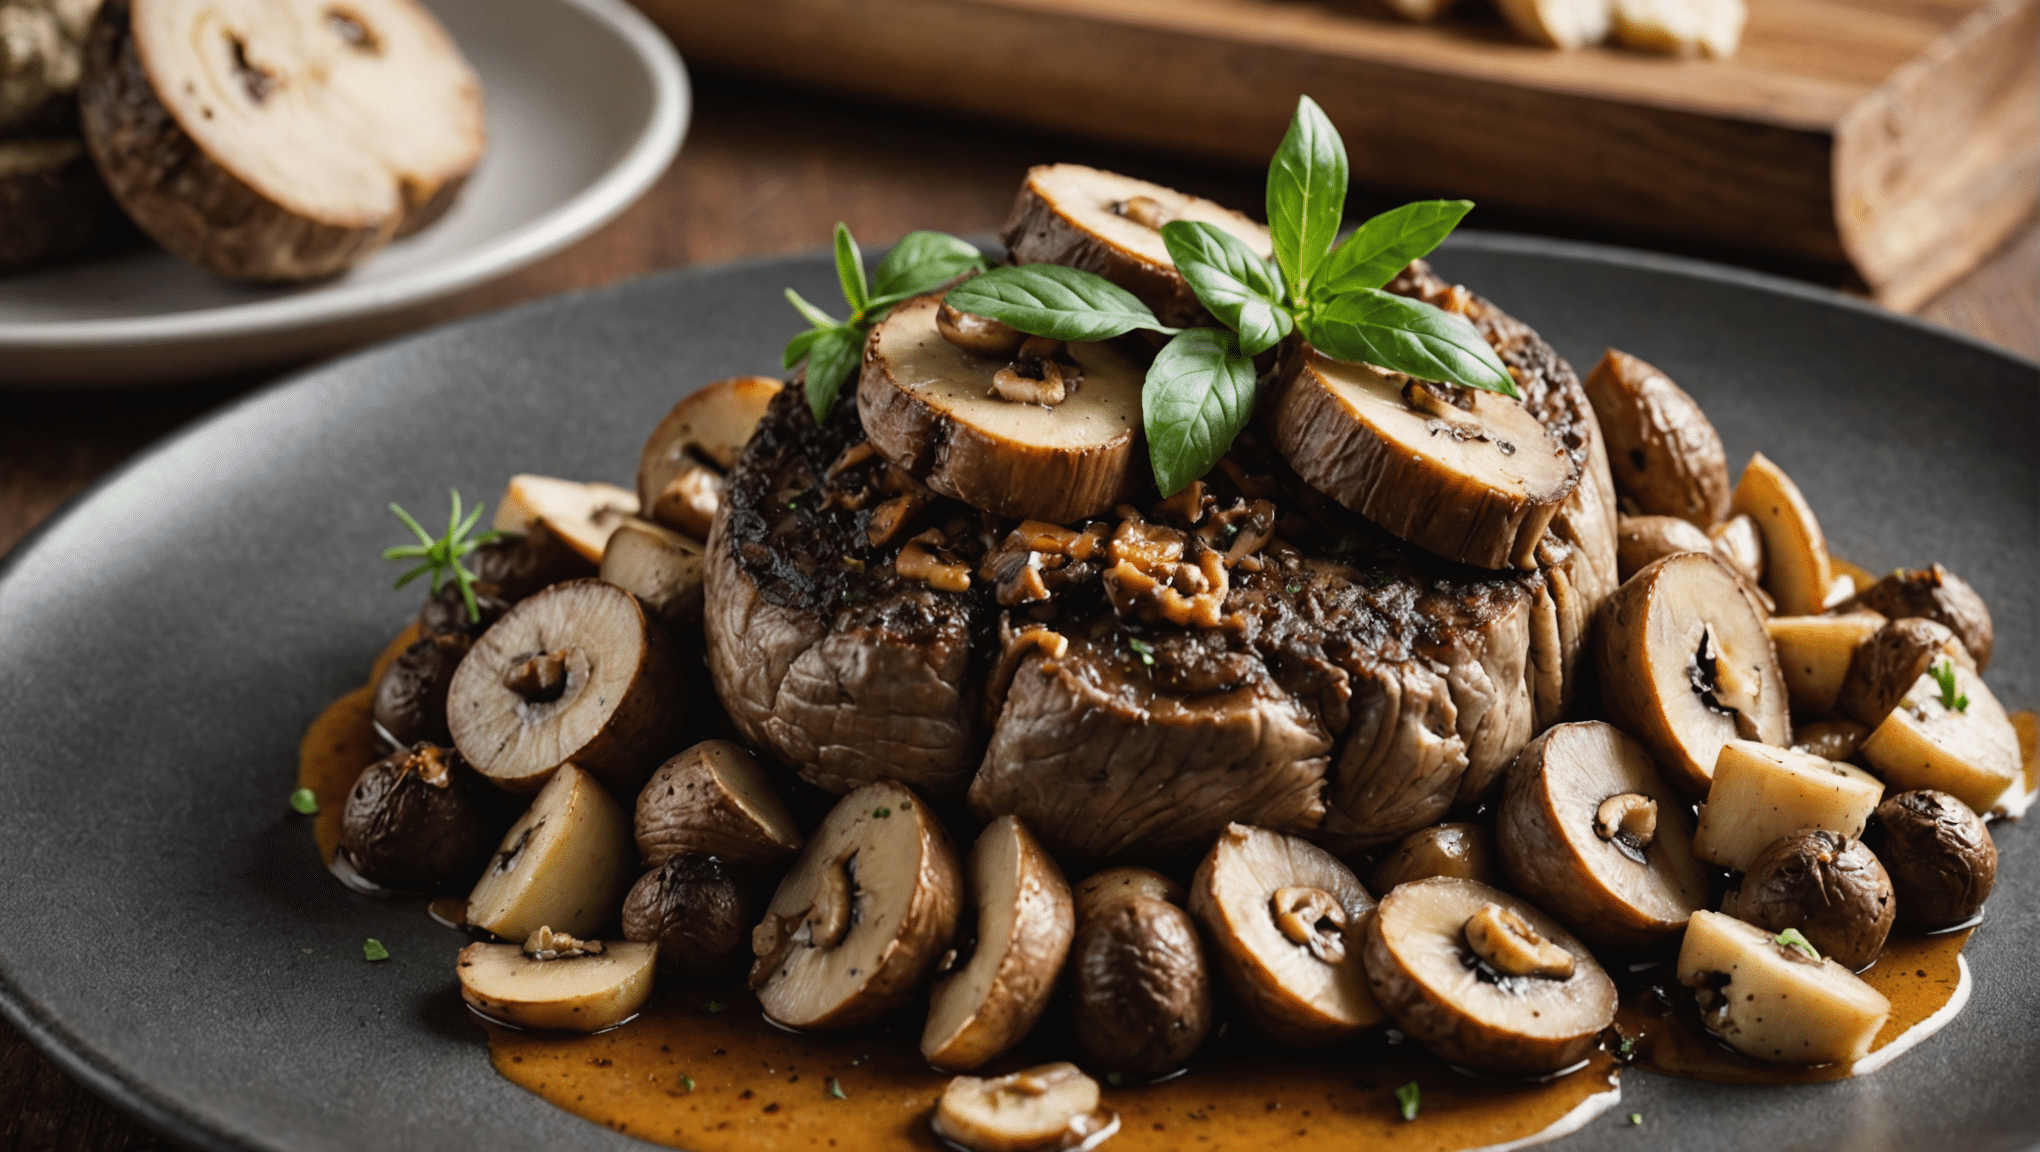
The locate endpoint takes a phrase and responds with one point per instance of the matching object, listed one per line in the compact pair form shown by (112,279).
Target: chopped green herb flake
(304,802)
(836,1089)
(372,949)
(1142,649)
(1944,676)
(715,1006)
(1114,1079)
(1625,1050)
(1293,589)
(881,813)
(1409,1098)
(687,1081)
(1791,938)
(1636,1119)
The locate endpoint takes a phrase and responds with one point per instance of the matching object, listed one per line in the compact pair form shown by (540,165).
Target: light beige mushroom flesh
(1762,794)
(554,981)
(1775,1002)
(565,864)
(693,447)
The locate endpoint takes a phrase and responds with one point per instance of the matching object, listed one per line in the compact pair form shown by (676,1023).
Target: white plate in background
(586,104)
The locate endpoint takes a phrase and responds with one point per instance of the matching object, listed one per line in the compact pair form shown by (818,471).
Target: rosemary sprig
(442,556)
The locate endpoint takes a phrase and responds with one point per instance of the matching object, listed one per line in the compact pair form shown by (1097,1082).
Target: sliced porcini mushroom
(1828,886)
(555,981)
(1094,892)
(307,135)
(714,800)
(1888,661)
(1454,1000)
(1666,457)
(1140,989)
(1024,922)
(1938,595)
(410,699)
(1762,794)
(1954,739)
(1589,831)
(1797,572)
(565,864)
(1642,539)
(1463,850)
(1771,1001)
(1739,541)
(859,924)
(1939,854)
(1467,474)
(696,910)
(1049,1108)
(659,566)
(1814,654)
(580,513)
(931,408)
(421,820)
(1830,739)
(681,469)
(1286,916)
(1710,28)
(1111,224)
(1686,666)
(575,672)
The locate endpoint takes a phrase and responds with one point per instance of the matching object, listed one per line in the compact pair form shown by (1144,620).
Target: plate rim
(594,205)
(165,1114)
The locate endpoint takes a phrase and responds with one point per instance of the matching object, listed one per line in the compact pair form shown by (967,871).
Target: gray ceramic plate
(167,933)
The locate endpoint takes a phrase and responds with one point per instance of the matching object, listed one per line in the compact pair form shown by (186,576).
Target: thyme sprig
(442,556)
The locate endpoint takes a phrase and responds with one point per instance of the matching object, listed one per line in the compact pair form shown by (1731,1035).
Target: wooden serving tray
(1898,137)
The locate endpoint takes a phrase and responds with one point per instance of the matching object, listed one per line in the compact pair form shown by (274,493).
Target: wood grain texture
(765,171)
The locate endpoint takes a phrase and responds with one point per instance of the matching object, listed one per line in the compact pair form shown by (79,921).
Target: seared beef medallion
(1245,651)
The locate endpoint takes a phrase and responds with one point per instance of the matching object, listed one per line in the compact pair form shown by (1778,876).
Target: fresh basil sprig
(920,262)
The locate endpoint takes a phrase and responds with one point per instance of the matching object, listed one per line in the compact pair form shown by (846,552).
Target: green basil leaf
(797,348)
(1054,301)
(831,360)
(1408,336)
(1306,195)
(1199,394)
(850,269)
(921,262)
(809,312)
(1385,245)
(1229,280)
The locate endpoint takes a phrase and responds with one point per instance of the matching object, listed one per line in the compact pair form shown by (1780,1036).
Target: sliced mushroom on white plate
(714,800)
(1797,572)
(1286,917)
(1952,737)
(1467,474)
(1024,921)
(555,981)
(565,864)
(931,408)
(681,469)
(1814,654)
(659,566)
(1666,457)
(1111,224)
(1772,1001)
(1686,666)
(859,924)
(1050,1108)
(1762,794)
(581,513)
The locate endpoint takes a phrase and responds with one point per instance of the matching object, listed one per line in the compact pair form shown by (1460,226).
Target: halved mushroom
(1463,850)
(863,918)
(714,800)
(1467,474)
(1484,979)
(1955,739)
(1686,666)
(581,513)
(1772,1001)
(1711,28)
(1141,994)
(1590,832)
(410,699)
(1050,1108)
(555,981)
(1666,458)
(681,469)
(696,910)
(1939,854)
(1286,917)
(1642,539)
(1938,595)
(1814,654)
(575,672)
(1762,794)
(305,135)
(1797,572)
(660,567)
(1828,886)
(1739,541)
(1565,24)
(930,407)
(565,864)
(1889,661)
(1025,919)
(420,820)
(1111,224)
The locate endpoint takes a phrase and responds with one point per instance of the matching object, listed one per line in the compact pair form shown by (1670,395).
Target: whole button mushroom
(421,820)
(698,911)
(1825,884)
(1141,989)
(1666,458)
(1463,850)
(1940,856)
(410,699)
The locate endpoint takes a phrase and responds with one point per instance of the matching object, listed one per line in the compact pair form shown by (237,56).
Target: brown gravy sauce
(704,1071)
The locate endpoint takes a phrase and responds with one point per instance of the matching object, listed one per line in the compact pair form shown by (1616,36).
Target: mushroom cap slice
(1024,923)
(1630,886)
(1427,978)
(1938,595)
(575,672)
(662,568)
(1111,224)
(1814,654)
(681,469)
(1971,752)
(1797,572)
(1049,1108)
(565,864)
(1472,476)
(579,513)
(1762,794)
(585,993)
(928,407)
(714,800)
(1463,850)
(1772,1002)
(1286,917)
(858,925)
(1666,457)
(1686,666)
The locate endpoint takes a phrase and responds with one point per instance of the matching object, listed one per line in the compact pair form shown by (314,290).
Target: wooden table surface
(764,170)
